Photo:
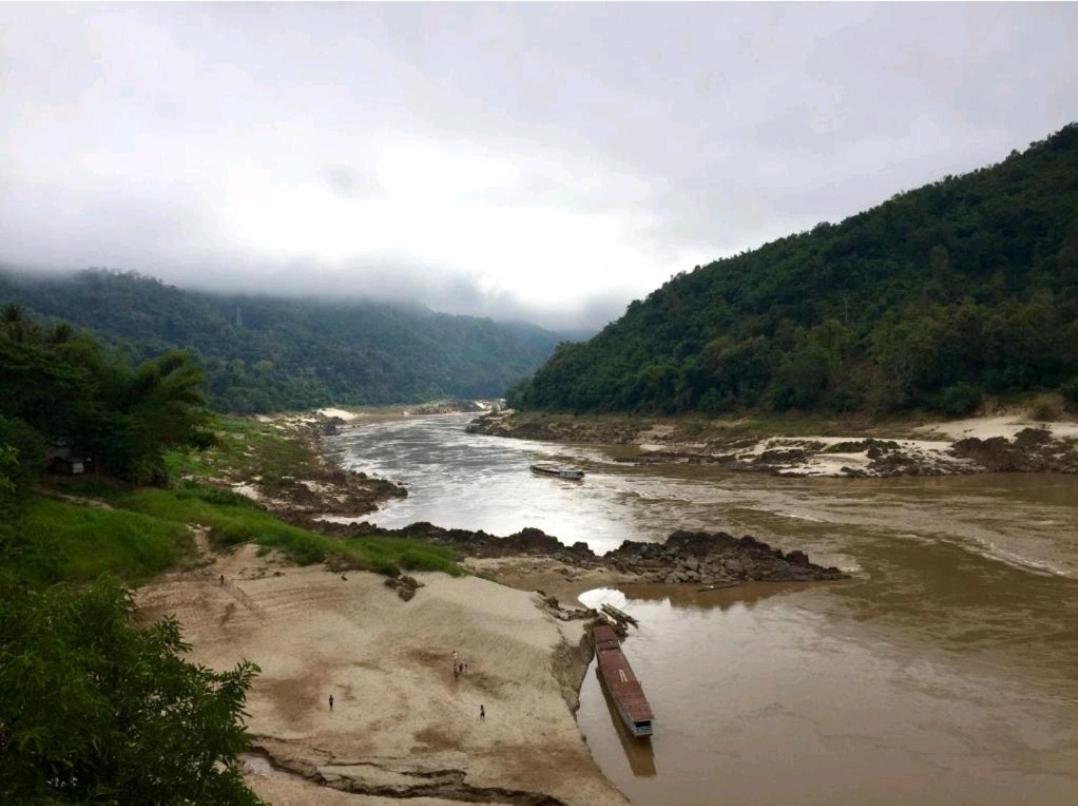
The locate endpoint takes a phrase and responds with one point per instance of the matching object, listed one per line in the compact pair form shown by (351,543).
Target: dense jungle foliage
(965,286)
(61,387)
(261,353)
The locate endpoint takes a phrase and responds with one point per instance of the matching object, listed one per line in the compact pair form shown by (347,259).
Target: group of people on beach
(459,668)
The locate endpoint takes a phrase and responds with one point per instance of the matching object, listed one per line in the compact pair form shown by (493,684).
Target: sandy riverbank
(1009,442)
(402,726)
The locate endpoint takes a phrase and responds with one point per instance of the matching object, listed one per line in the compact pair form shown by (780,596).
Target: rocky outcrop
(1031,450)
(733,447)
(386,779)
(506,423)
(404,585)
(700,558)
(715,559)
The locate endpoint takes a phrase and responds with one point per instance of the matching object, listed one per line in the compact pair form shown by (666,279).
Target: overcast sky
(540,162)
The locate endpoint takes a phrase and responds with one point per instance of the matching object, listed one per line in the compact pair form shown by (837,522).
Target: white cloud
(547,162)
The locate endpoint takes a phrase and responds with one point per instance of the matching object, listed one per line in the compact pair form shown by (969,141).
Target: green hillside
(264,353)
(965,286)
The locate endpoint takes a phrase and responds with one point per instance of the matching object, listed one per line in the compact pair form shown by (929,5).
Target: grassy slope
(65,541)
(245,448)
(138,533)
(233,520)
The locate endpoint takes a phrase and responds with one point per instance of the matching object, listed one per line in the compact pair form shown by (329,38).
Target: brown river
(944,672)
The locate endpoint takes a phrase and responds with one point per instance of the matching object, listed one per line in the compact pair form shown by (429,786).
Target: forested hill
(264,353)
(965,286)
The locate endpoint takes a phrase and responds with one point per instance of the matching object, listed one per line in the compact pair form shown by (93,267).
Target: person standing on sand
(222,579)
(482,714)
(331,702)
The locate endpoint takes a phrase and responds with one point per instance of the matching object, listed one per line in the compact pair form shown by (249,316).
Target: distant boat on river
(561,471)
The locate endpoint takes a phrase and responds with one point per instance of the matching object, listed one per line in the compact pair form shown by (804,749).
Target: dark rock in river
(714,558)
(1032,450)
(707,558)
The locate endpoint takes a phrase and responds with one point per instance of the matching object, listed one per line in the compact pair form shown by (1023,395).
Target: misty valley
(539,404)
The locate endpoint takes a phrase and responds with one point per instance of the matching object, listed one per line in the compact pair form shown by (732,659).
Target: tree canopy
(965,286)
(62,386)
(94,709)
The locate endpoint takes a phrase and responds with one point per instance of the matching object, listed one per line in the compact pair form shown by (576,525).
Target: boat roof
(618,674)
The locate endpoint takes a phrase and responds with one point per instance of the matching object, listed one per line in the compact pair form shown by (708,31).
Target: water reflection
(687,597)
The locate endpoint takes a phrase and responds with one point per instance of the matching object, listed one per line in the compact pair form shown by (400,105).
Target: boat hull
(570,474)
(617,677)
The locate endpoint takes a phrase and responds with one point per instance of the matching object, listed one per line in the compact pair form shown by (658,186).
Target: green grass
(245,448)
(145,533)
(139,532)
(234,520)
(145,530)
(62,541)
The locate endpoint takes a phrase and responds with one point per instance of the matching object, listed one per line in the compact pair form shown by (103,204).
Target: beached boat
(617,675)
(561,471)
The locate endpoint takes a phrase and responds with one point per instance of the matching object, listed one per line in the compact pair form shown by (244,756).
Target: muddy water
(945,671)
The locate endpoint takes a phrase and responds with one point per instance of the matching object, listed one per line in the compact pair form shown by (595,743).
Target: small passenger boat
(561,471)
(617,675)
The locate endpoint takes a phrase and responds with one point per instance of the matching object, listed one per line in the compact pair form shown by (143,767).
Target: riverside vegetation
(940,295)
(71,648)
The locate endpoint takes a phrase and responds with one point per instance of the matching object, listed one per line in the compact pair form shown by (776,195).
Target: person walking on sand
(222,579)
(331,702)
(482,714)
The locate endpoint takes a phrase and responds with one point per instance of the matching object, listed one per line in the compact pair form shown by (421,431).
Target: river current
(945,671)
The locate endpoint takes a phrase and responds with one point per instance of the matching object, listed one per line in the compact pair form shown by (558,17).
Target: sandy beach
(1016,441)
(402,726)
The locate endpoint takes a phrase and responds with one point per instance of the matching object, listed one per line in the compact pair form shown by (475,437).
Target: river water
(945,671)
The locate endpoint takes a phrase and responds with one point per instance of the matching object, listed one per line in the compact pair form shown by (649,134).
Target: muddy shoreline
(1012,443)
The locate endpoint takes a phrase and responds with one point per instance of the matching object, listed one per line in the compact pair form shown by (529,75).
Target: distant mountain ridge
(264,353)
(964,286)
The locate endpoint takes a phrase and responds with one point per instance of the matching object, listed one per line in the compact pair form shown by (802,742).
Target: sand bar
(402,724)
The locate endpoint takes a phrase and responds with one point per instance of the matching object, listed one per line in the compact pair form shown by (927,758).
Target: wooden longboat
(617,675)
(561,471)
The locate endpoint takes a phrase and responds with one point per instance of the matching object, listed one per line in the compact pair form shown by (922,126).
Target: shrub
(24,457)
(215,495)
(1045,409)
(1070,393)
(230,534)
(95,709)
(961,398)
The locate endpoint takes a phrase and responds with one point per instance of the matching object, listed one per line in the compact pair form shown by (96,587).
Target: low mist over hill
(965,286)
(263,353)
